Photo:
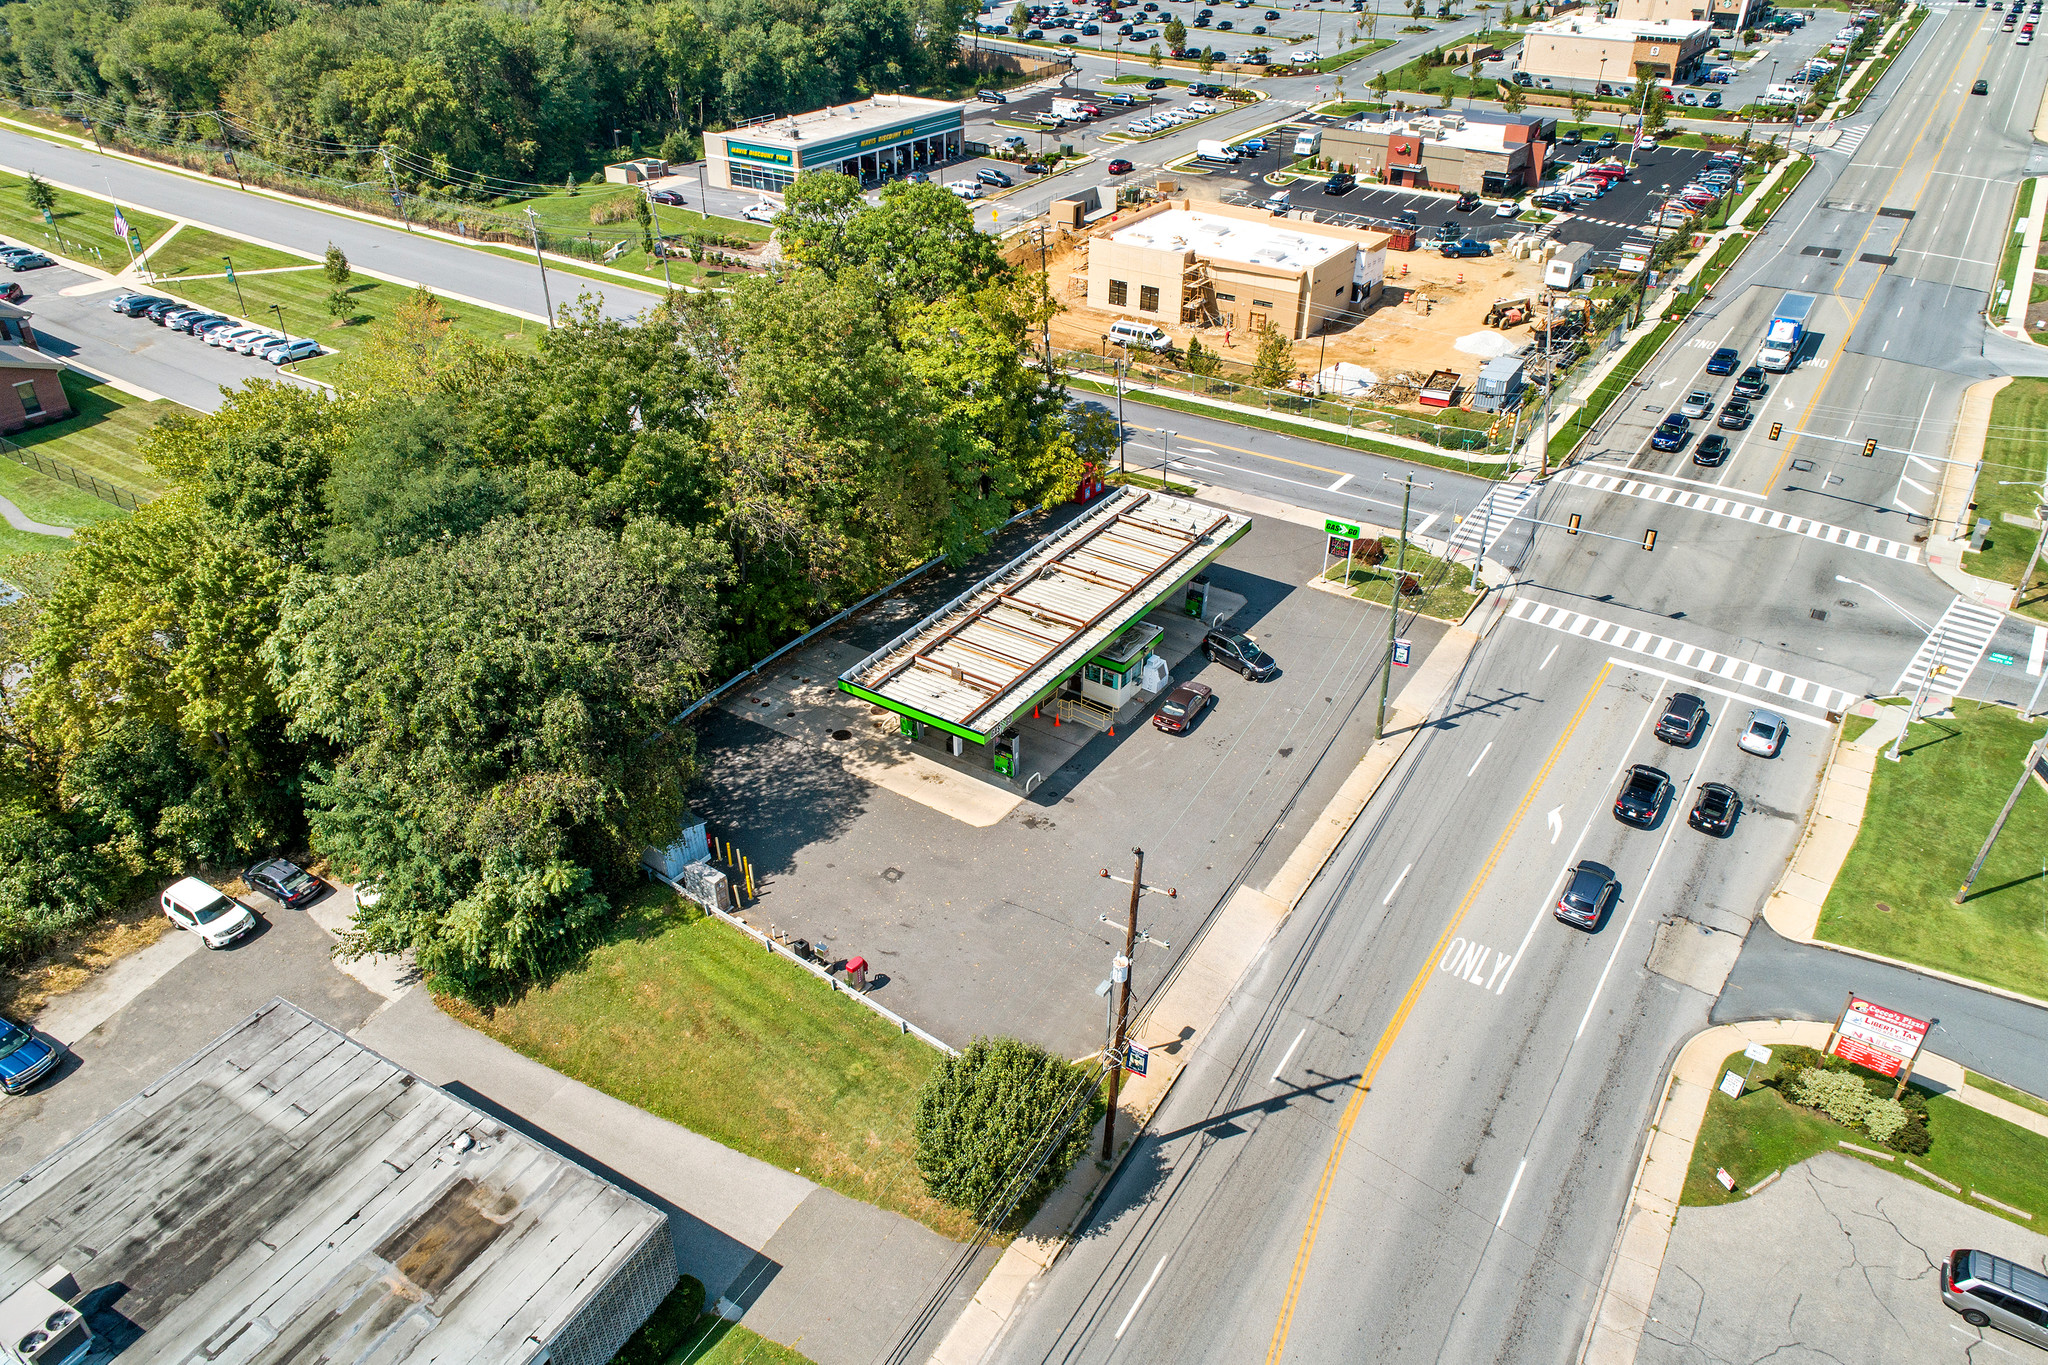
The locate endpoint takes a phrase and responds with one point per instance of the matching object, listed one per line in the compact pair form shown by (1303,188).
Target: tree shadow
(772,796)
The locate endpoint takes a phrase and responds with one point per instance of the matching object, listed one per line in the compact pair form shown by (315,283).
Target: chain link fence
(124,498)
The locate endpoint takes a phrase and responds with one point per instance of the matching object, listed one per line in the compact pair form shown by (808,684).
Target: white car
(299,348)
(1764,734)
(1507,209)
(217,918)
(259,342)
(226,337)
(966,189)
(1306,54)
(1201,107)
(760,213)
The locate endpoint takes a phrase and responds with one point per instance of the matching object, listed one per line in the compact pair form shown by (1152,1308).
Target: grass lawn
(52,500)
(195,251)
(2008,264)
(84,228)
(302,294)
(718,1342)
(1354,54)
(1854,726)
(1927,816)
(1762,1132)
(101,435)
(2016,449)
(1443,585)
(686,1018)
(1610,388)
(2007,1093)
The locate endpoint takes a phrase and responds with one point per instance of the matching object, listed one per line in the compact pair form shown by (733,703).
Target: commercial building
(286,1194)
(1725,15)
(1225,266)
(1582,51)
(873,140)
(1494,152)
(1062,620)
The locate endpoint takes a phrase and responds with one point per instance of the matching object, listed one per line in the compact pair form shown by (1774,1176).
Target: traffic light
(1776,427)
(1650,539)
(1571,524)
(1870,447)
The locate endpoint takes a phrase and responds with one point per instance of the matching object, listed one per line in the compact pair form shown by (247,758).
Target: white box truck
(1786,333)
(1215,153)
(1072,109)
(1307,141)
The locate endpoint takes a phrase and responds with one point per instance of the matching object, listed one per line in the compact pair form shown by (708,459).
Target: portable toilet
(1500,384)
(1568,265)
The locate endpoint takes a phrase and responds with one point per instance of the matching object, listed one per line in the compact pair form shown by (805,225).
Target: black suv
(1642,796)
(1241,652)
(1683,716)
(1714,810)
(1751,384)
(1724,361)
(1343,182)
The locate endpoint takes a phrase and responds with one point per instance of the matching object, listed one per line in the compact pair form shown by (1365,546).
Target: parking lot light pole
(280,321)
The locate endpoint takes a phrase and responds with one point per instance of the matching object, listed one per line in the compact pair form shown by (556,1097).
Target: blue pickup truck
(25,1057)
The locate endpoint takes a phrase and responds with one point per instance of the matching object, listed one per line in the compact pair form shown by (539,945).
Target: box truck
(1787,332)
(1306,142)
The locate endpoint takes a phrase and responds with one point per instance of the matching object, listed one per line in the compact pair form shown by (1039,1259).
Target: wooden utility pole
(2027,770)
(1123,1003)
(1408,487)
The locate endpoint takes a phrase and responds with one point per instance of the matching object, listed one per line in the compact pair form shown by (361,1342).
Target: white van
(1146,334)
(1215,153)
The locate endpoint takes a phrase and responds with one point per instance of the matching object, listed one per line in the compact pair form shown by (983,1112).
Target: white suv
(217,918)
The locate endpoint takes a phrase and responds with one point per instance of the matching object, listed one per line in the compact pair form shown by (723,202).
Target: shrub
(984,1116)
(1884,1118)
(665,1331)
(1842,1097)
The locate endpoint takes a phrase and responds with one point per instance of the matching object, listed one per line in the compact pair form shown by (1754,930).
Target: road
(1426,1081)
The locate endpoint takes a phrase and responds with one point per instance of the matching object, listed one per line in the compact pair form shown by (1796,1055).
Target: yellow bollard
(750,881)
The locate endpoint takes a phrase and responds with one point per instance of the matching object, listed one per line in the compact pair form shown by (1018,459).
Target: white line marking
(1140,1301)
(2036,655)
(1288,1055)
(1420,528)
(1476,762)
(1513,1185)
(1776,709)
(1389,899)
(1556,822)
(1342,479)
(1553,654)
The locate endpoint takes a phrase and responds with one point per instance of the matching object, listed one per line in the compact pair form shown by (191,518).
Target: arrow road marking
(1556,819)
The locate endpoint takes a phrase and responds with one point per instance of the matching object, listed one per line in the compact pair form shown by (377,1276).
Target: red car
(1181,706)
(1121,167)
(12,291)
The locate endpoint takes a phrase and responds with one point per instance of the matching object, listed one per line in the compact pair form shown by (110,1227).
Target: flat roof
(1444,130)
(976,662)
(1275,243)
(288,1194)
(836,121)
(1620,29)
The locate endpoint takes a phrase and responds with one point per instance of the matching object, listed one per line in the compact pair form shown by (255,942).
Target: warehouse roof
(984,656)
(1273,242)
(288,1194)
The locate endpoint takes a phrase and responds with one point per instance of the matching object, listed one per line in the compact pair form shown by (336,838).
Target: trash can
(906,726)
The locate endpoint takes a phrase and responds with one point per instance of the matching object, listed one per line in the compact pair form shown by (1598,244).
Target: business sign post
(1343,543)
(1882,1039)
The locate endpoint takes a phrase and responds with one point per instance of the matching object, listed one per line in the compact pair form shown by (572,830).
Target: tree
(1581,106)
(1020,19)
(497,705)
(1274,364)
(1207,64)
(999,1126)
(336,267)
(1652,100)
(40,195)
(643,213)
(1152,57)
(1379,84)
(340,305)
(1175,33)
(1512,99)
(1201,360)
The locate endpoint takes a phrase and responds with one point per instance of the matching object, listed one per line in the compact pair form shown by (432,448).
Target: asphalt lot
(1324,26)
(1836,1252)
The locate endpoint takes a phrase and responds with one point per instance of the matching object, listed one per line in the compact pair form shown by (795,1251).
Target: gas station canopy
(1007,643)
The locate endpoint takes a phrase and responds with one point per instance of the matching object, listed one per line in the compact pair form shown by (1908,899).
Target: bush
(665,1331)
(984,1117)
(1884,1118)
(1841,1096)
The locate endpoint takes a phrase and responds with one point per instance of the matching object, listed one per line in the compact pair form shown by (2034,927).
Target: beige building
(1495,153)
(1224,266)
(1722,14)
(1587,50)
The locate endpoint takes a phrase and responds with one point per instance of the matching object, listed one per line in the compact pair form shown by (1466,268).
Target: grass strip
(1763,1132)
(1869,79)
(102,434)
(1612,387)
(2010,482)
(196,251)
(1778,193)
(1247,418)
(682,1016)
(2009,263)
(2007,1093)
(1443,594)
(1927,815)
(1355,54)
(81,226)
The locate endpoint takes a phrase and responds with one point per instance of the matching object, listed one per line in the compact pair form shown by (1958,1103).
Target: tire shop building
(882,138)
(1062,622)
(1496,154)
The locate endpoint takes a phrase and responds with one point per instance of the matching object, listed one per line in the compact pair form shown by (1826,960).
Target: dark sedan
(25,1057)
(1683,716)
(286,883)
(672,198)
(1241,652)
(134,305)
(1752,383)
(1713,811)
(1735,416)
(1724,361)
(1588,892)
(1642,795)
(1343,182)
(1711,452)
(1181,706)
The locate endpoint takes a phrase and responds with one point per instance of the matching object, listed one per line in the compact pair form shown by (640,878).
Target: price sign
(1340,548)
(1881,1039)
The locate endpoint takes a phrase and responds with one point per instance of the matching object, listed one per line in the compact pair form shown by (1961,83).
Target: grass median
(81,226)
(686,1018)
(1926,817)
(194,251)
(2015,466)
(1764,1132)
(1442,594)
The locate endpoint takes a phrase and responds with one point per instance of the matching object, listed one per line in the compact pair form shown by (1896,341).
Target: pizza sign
(1883,1040)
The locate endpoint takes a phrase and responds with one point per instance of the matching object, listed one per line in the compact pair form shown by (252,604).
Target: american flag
(120,225)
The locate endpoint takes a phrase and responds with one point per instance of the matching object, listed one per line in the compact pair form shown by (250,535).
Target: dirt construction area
(1429,305)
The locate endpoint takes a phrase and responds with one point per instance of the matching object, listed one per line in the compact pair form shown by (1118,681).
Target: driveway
(1836,1261)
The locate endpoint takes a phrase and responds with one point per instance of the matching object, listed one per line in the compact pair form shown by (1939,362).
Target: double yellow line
(1394,1025)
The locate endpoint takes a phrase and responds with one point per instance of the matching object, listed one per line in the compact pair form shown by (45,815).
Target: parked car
(177,318)
(12,291)
(1588,892)
(262,341)
(1467,202)
(1234,649)
(989,175)
(667,198)
(760,213)
(1343,182)
(300,348)
(1560,203)
(1990,1291)
(1764,735)
(215,916)
(1711,452)
(1714,809)
(1683,717)
(285,882)
(162,306)
(1468,247)
(1698,403)
(131,304)
(34,260)
(25,1056)
(1507,208)
(1181,706)
(1642,795)
(1156,83)
(224,337)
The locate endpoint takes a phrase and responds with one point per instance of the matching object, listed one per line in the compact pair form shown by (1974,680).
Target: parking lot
(1323,26)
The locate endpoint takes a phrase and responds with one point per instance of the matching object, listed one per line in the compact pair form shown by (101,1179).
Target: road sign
(1350,530)
(1136,1058)
(2005,659)
(2037,764)
(1758,1053)
(1400,653)
(1881,1039)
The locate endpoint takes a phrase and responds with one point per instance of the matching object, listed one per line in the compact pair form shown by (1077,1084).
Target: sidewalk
(1948,531)
(2015,324)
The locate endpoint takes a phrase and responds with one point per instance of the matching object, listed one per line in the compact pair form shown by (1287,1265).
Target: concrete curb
(1952,498)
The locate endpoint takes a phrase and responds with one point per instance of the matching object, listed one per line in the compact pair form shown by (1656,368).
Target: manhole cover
(892,874)
(842,734)
(1883,909)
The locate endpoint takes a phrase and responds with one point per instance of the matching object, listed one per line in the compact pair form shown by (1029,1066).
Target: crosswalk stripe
(1666,649)
(1957,643)
(1754,513)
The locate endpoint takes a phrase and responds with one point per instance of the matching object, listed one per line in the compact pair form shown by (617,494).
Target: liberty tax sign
(1881,1039)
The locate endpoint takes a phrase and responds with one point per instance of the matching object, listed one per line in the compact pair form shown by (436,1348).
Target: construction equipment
(1507,313)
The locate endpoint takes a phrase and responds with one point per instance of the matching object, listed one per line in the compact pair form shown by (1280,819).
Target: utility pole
(2033,768)
(533,225)
(1408,487)
(1120,976)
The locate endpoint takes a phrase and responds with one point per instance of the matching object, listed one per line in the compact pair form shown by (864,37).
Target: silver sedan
(1764,735)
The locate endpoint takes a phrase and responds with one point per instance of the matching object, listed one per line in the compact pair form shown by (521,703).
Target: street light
(1164,437)
(1123,363)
